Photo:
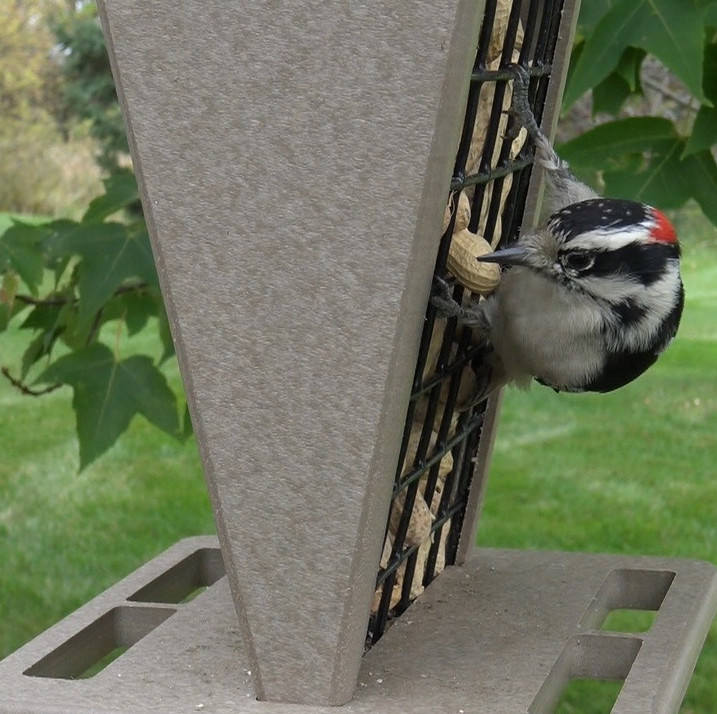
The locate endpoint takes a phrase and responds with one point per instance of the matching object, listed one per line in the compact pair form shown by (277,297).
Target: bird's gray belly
(541,329)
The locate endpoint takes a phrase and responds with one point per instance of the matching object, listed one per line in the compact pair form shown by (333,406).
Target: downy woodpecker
(592,297)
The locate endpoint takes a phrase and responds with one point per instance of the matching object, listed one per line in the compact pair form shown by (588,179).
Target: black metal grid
(541,22)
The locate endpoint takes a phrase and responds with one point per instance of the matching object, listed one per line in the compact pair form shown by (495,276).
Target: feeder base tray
(502,634)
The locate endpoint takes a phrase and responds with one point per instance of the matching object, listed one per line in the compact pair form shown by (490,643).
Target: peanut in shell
(480,278)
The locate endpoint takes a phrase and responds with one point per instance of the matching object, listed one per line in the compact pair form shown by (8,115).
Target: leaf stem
(50,302)
(118,335)
(29,300)
(18,384)
(95,327)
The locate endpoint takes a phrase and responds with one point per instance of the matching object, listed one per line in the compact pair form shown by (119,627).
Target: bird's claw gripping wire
(447,307)
(520,108)
(520,105)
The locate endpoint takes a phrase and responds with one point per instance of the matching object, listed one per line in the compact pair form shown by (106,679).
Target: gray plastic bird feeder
(299,157)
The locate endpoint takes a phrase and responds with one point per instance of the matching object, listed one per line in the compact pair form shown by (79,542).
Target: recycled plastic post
(294,160)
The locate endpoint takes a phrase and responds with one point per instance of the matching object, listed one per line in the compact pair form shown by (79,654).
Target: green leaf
(134,307)
(56,258)
(610,94)
(39,346)
(629,67)
(665,181)
(110,256)
(72,336)
(165,334)
(54,238)
(139,306)
(120,191)
(597,147)
(668,179)
(21,249)
(703,176)
(108,393)
(42,317)
(187,428)
(672,31)
(710,75)
(52,322)
(28,248)
(6,314)
(603,48)
(591,13)
(711,16)
(704,131)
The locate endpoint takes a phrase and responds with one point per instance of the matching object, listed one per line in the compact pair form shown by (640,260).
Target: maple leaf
(20,249)
(108,393)
(672,31)
(120,191)
(111,254)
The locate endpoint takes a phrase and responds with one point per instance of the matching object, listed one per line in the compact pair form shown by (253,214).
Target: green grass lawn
(64,536)
(629,472)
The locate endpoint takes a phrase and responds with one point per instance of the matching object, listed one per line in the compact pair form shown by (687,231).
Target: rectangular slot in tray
(117,629)
(176,585)
(598,657)
(627,589)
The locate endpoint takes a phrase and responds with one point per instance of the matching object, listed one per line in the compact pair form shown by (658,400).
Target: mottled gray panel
(294,159)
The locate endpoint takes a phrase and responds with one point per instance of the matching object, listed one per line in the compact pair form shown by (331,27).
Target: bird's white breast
(540,328)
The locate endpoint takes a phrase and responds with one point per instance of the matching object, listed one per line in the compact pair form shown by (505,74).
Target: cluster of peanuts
(477,278)
(419,525)
(483,278)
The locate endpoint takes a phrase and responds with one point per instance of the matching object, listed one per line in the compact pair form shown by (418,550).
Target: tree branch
(29,300)
(50,302)
(29,391)
(666,92)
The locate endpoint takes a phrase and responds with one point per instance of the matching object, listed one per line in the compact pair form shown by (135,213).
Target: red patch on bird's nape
(663,231)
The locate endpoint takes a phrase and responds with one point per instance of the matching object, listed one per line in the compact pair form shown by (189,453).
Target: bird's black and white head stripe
(597,215)
(609,246)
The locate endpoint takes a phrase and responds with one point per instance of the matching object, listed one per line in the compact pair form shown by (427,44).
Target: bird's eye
(578,261)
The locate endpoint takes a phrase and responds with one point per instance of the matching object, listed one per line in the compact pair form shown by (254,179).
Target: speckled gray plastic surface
(294,159)
(500,635)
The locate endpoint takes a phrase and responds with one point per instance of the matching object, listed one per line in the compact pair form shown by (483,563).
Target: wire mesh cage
(486,202)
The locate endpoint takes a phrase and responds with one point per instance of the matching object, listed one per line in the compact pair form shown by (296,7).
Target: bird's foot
(483,387)
(447,307)
(442,299)
(520,108)
(520,104)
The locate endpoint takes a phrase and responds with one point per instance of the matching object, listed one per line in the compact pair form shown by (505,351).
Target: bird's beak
(515,255)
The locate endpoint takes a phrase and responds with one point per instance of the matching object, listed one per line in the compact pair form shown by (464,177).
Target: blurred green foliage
(88,90)
(647,158)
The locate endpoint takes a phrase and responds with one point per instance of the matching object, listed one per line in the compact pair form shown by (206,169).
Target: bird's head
(622,255)
(611,249)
